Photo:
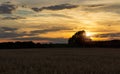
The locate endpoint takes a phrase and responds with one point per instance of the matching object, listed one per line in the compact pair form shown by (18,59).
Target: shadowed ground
(60,61)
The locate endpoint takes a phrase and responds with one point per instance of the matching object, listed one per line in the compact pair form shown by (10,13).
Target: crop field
(60,61)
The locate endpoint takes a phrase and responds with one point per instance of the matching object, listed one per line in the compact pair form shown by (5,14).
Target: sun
(88,34)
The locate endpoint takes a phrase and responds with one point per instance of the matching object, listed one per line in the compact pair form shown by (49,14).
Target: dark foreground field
(60,61)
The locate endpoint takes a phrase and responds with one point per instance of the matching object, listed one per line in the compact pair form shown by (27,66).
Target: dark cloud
(56,7)
(54,15)
(53,29)
(11,33)
(55,40)
(61,15)
(7,32)
(13,18)
(108,35)
(95,5)
(7,29)
(103,8)
(36,9)
(7,8)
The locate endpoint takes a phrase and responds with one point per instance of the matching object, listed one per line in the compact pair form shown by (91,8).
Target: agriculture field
(60,61)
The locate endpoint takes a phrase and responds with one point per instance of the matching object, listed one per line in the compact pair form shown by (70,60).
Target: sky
(57,20)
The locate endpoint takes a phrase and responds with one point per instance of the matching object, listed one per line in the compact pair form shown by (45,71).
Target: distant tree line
(30,44)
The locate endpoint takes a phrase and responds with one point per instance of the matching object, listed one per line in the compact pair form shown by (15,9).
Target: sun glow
(88,34)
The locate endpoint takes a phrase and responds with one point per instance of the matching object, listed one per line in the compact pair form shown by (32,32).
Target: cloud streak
(115,8)
(53,29)
(7,32)
(95,5)
(56,7)
(13,18)
(55,40)
(111,35)
(11,33)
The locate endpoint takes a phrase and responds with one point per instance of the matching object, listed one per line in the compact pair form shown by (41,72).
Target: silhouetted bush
(79,39)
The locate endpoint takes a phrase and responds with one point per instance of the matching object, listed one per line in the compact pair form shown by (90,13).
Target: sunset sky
(57,20)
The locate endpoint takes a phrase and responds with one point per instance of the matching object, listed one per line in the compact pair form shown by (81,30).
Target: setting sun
(88,34)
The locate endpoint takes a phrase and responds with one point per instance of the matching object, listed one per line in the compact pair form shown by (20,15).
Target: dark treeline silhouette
(79,39)
(30,44)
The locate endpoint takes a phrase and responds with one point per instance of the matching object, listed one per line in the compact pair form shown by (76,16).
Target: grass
(60,61)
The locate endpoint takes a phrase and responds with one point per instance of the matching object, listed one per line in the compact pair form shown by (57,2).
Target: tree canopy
(79,38)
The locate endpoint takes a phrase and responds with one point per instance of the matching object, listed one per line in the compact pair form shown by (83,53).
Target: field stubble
(60,61)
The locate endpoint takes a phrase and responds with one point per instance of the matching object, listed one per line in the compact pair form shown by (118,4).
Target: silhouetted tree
(79,38)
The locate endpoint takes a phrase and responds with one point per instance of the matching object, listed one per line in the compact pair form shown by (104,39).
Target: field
(60,61)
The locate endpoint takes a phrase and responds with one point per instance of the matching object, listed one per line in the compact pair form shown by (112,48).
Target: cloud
(13,18)
(53,29)
(7,32)
(7,8)
(102,8)
(111,35)
(54,40)
(95,5)
(56,7)
(53,15)
(36,9)
(61,15)
(113,8)
(7,29)
(11,33)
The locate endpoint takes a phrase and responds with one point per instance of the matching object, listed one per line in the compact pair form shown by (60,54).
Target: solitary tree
(79,38)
